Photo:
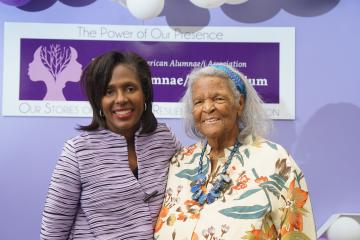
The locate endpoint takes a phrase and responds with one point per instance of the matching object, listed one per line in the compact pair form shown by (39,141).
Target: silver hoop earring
(101,114)
(145,107)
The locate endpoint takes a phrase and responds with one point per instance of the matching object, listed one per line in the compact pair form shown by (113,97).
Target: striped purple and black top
(94,195)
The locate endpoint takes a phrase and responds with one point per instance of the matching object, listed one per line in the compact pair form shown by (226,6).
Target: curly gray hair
(253,120)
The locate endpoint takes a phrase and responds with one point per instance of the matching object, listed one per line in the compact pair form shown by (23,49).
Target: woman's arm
(63,196)
(296,216)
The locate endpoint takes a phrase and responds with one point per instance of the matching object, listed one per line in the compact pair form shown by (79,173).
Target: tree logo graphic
(55,65)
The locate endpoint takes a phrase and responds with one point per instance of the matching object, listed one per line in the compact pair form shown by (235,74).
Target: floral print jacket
(266,199)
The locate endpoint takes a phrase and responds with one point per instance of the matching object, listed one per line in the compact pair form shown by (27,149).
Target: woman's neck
(217,149)
(218,144)
(131,153)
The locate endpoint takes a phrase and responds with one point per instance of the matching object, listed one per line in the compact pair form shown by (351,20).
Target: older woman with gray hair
(233,183)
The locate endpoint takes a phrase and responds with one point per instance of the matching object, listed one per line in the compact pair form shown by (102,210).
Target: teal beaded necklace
(198,184)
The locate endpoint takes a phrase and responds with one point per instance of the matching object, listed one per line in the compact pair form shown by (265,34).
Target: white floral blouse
(267,197)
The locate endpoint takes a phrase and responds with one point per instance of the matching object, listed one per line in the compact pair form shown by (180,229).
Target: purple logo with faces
(55,65)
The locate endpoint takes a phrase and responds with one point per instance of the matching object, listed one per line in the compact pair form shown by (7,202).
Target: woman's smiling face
(215,109)
(123,102)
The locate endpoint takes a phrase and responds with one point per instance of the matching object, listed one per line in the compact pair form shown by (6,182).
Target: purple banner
(50,69)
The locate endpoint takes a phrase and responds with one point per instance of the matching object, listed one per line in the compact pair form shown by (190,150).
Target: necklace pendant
(196,195)
(211,197)
(197,188)
(199,179)
(203,198)
(220,185)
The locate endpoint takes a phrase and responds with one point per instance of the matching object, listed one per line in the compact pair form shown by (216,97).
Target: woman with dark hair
(109,181)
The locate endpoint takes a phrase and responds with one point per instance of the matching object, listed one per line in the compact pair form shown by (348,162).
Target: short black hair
(97,75)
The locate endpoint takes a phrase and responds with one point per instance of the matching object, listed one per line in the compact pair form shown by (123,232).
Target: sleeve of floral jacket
(292,215)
